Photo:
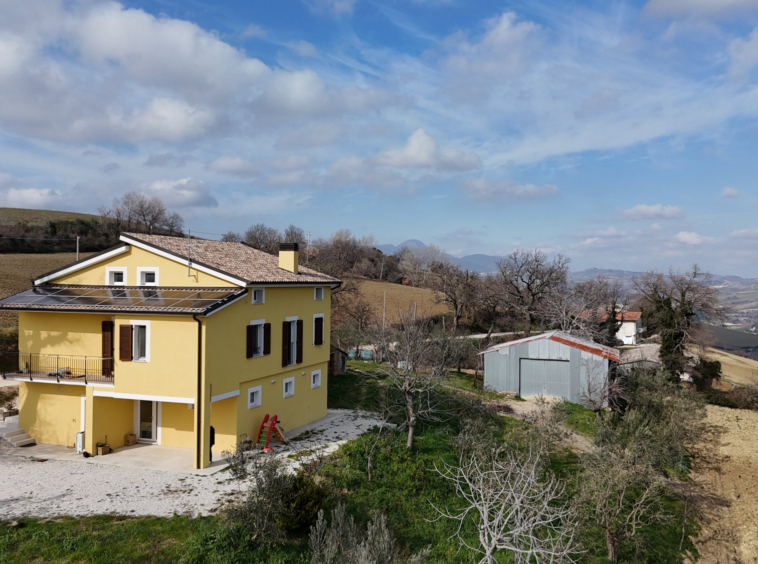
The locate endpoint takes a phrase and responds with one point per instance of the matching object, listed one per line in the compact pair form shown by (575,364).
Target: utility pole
(77,247)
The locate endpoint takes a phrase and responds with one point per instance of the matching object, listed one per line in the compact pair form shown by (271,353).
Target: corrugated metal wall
(503,368)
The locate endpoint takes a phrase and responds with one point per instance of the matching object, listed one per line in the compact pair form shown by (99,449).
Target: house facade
(165,337)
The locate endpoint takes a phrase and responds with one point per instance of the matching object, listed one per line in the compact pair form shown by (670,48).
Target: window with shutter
(249,342)
(125,343)
(267,338)
(107,361)
(318,330)
(286,343)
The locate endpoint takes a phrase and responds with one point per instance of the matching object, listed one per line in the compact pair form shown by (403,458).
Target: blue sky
(621,134)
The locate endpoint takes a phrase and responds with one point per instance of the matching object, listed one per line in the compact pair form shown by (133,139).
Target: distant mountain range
(478,263)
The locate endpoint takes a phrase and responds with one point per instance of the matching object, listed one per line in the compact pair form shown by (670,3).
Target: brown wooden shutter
(125,342)
(299,341)
(286,343)
(249,343)
(318,338)
(107,361)
(267,338)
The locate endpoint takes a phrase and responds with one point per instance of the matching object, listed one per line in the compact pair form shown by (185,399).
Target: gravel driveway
(30,487)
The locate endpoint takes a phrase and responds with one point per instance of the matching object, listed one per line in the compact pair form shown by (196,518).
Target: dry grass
(738,369)
(11,216)
(16,272)
(400,299)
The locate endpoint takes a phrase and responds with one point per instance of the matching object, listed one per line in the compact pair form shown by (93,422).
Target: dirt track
(726,477)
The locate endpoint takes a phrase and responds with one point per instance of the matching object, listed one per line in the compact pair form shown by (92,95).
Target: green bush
(743,398)
(306,499)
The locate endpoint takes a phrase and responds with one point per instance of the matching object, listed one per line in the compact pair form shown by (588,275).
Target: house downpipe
(199,403)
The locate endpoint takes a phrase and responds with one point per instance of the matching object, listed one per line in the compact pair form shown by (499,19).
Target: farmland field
(11,216)
(400,299)
(16,272)
(735,368)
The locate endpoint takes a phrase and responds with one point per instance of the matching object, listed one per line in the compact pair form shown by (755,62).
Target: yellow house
(165,337)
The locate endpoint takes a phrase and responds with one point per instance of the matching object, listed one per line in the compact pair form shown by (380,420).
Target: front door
(148,423)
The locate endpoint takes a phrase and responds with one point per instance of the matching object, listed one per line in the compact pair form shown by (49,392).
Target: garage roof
(566,339)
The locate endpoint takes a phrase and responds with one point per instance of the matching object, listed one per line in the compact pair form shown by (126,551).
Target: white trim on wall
(316,373)
(258,389)
(146,324)
(252,295)
(81,265)
(284,387)
(291,318)
(183,261)
(119,395)
(315,293)
(143,269)
(227,395)
(113,269)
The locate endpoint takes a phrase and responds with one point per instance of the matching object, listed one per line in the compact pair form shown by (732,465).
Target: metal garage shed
(551,364)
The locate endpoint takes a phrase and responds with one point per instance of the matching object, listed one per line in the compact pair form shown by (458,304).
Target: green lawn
(581,420)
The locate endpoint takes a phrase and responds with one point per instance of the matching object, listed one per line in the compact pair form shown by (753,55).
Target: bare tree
(419,357)
(675,304)
(455,287)
(231,237)
(512,508)
(263,238)
(417,262)
(294,234)
(174,223)
(620,492)
(150,212)
(598,389)
(547,423)
(527,278)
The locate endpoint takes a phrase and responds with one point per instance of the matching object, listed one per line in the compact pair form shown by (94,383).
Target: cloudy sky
(622,134)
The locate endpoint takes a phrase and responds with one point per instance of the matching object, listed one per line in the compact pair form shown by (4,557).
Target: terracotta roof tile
(235,259)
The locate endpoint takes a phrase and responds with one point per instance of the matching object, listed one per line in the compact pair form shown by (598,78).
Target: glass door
(147,421)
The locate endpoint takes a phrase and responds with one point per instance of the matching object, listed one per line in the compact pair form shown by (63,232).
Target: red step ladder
(269,424)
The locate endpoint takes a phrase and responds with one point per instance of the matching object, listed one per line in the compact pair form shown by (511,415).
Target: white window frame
(145,269)
(112,270)
(293,339)
(313,328)
(146,324)
(286,381)
(263,295)
(260,322)
(259,389)
(316,379)
(315,293)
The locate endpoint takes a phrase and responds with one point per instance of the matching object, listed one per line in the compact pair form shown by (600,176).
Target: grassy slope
(16,272)
(400,299)
(735,368)
(11,216)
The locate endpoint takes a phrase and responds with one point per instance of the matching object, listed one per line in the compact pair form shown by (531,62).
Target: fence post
(29,367)
(85,370)
(58,368)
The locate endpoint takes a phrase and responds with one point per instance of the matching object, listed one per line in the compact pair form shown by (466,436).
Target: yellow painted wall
(305,406)
(224,421)
(170,273)
(172,368)
(114,419)
(177,425)
(61,333)
(50,413)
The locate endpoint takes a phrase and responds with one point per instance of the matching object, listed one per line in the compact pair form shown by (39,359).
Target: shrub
(305,499)
(743,398)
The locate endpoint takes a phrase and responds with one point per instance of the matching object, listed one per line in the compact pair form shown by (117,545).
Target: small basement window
(254,397)
(259,296)
(316,379)
(289,387)
(318,293)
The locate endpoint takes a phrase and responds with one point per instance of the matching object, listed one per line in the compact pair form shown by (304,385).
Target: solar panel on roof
(114,298)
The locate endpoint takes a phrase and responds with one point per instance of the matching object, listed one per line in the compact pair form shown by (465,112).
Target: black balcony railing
(56,368)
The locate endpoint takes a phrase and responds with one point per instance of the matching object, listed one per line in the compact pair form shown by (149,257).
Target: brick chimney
(288,256)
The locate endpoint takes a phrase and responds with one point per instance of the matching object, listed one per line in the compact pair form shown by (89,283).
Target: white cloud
(692,238)
(31,197)
(486,190)
(254,31)
(697,7)
(746,234)
(110,168)
(236,166)
(421,151)
(168,159)
(609,233)
(335,7)
(6,179)
(320,134)
(303,48)
(728,192)
(186,192)
(656,211)
(744,54)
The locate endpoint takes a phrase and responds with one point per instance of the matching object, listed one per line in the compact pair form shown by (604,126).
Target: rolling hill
(12,216)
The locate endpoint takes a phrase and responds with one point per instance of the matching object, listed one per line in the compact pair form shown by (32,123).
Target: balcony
(50,368)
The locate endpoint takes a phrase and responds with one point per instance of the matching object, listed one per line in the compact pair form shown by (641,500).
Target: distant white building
(631,325)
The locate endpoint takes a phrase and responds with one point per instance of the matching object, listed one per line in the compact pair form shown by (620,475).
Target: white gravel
(31,488)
